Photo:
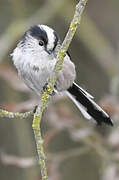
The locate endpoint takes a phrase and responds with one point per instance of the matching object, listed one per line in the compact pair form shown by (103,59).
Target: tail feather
(87,106)
(81,108)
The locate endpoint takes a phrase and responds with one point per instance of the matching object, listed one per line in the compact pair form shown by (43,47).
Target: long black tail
(87,106)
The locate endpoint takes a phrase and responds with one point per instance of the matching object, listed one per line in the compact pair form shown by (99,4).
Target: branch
(12,115)
(47,93)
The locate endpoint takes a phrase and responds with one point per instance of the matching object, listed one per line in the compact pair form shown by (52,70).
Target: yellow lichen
(5,112)
(44,96)
(36,120)
(58,68)
(49,89)
(74,24)
(61,54)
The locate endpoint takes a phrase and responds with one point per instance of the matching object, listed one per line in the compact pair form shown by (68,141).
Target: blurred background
(75,148)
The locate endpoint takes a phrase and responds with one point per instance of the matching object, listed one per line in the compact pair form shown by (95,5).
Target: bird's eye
(41,43)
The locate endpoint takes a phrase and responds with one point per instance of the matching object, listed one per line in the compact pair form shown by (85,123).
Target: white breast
(35,70)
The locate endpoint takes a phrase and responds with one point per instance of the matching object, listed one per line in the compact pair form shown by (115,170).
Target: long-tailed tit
(35,59)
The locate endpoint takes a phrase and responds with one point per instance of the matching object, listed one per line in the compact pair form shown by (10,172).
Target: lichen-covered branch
(12,115)
(46,95)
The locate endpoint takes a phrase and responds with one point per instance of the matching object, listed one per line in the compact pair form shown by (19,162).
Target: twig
(46,95)
(12,115)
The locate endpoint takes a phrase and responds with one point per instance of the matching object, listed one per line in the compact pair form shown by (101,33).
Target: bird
(35,57)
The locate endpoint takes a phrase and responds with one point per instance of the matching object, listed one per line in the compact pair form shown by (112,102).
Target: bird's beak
(49,51)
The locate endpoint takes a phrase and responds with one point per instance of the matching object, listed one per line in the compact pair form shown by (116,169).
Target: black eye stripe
(56,39)
(39,34)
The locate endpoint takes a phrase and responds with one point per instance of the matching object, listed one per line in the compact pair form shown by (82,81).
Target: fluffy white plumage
(35,65)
